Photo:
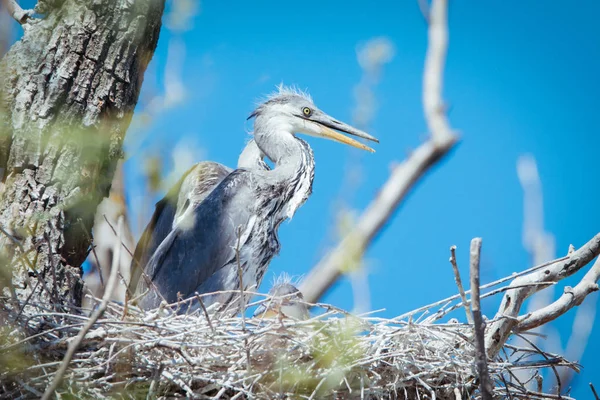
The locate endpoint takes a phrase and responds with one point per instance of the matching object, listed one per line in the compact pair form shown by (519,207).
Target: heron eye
(306,111)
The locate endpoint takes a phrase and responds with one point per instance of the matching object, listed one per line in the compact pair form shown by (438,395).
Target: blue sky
(520,78)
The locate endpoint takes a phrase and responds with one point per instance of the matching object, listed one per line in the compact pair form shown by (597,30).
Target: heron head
(295,112)
(286,301)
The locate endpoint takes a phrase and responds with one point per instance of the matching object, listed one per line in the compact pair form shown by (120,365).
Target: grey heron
(231,235)
(286,301)
(193,187)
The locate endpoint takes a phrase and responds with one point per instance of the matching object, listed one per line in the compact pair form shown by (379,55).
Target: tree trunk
(68,91)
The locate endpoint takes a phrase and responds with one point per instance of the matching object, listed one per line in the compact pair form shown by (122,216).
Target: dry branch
(485,384)
(507,317)
(571,297)
(458,281)
(405,175)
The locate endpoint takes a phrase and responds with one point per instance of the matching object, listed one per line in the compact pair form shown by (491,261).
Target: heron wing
(193,256)
(197,183)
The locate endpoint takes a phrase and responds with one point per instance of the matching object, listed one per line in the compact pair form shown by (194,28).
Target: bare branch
(205,311)
(485,383)
(594,391)
(405,175)
(506,318)
(461,289)
(580,334)
(433,78)
(571,297)
(112,281)
(242,296)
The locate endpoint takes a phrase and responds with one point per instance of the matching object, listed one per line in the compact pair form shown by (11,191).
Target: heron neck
(293,173)
(252,157)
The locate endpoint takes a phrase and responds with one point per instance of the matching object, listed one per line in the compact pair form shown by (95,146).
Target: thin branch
(581,330)
(594,391)
(506,317)
(242,296)
(461,289)
(405,175)
(433,78)
(539,351)
(112,280)
(571,297)
(486,286)
(485,383)
(205,311)
(113,229)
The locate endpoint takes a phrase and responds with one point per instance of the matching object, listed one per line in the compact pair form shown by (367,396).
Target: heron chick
(226,242)
(286,301)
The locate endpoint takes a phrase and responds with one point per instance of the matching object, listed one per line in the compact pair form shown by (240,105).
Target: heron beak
(329,126)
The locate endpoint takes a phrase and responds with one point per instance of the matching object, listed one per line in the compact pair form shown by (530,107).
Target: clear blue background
(521,77)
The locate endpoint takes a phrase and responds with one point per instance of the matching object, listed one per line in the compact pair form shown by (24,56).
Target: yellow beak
(329,133)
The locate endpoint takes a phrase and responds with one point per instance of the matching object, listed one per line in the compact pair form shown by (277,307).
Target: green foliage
(335,350)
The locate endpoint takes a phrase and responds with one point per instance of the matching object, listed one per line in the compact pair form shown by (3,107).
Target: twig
(112,280)
(433,78)
(405,175)
(539,351)
(99,268)
(461,289)
(27,300)
(143,274)
(488,285)
(506,317)
(242,297)
(594,391)
(581,330)
(212,328)
(113,229)
(485,384)
(571,297)
(15,11)
(442,313)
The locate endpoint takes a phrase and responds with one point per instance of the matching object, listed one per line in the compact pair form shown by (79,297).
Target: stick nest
(135,354)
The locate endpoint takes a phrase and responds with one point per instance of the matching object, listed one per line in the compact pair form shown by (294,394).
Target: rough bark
(68,89)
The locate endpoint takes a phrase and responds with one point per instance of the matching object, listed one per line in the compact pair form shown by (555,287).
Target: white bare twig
(405,175)
(461,289)
(242,296)
(112,281)
(485,384)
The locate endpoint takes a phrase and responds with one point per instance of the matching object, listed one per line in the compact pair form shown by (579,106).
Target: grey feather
(191,189)
(235,226)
